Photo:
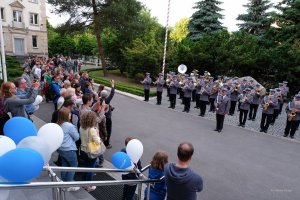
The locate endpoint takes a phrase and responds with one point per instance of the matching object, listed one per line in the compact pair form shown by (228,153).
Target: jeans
(108,128)
(68,159)
(90,163)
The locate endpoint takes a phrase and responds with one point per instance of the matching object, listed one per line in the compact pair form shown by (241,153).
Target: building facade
(24,27)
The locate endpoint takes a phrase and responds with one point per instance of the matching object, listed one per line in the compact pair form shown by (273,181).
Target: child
(156,171)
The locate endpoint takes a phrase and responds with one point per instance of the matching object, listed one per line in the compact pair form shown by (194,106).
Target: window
(17,15)
(2,16)
(34,18)
(34,41)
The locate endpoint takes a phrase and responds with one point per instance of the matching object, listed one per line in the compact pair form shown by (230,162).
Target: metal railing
(58,187)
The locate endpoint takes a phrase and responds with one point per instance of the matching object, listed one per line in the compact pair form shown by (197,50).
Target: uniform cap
(285,82)
(297,96)
(272,90)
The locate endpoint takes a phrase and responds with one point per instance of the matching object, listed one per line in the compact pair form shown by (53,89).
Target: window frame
(19,15)
(33,19)
(2,13)
(36,41)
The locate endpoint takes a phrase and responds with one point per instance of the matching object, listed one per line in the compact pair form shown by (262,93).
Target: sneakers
(73,189)
(90,188)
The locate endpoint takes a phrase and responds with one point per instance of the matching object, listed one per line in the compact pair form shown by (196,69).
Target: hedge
(120,86)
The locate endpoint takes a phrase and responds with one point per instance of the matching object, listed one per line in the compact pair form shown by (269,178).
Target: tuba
(292,114)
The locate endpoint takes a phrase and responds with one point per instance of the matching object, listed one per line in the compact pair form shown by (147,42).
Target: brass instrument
(266,105)
(257,91)
(168,82)
(292,114)
(236,88)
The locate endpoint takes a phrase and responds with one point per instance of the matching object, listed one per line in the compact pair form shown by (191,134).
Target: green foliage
(180,30)
(13,68)
(206,19)
(257,19)
(86,44)
(61,44)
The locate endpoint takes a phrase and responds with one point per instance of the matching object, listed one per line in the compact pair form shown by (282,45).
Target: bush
(120,86)
(13,68)
(139,77)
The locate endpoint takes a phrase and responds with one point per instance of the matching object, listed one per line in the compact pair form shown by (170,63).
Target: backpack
(50,93)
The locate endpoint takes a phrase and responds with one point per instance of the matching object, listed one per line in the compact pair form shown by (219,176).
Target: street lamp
(166,39)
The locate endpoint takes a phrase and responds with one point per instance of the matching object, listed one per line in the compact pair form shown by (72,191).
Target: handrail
(85,169)
(36,185)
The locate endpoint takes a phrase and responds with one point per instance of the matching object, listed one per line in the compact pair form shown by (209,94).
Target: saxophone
(266,105)
(292,114)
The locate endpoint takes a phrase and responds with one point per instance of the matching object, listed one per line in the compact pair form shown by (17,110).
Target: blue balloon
(21,165)
(121,160)
(18,128)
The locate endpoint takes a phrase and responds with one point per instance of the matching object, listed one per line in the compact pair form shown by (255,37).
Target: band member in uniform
(168,80)
(204,98)
(293,117)
(255,102)
(268,103)
(246,100)
(234,97)
(159,88)
(188,89)
(198,88)
(285,91)
(222,105)
(213,94)
(147,82)
(278,95)
(173,91)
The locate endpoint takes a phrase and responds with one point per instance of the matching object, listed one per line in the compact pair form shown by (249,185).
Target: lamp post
(166,39)
(2,53)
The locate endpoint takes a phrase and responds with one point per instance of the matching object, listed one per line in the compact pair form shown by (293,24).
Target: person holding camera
(14,104)
(107,99)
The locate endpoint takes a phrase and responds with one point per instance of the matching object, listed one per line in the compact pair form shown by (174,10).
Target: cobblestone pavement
(277,129)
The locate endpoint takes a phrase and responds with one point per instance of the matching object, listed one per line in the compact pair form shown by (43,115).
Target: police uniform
(173,91)
(213,94)
(267,111)
(188,89)
(292,122)
(147,82)
(159,88)
(246,100)
(198,89)
(222,105)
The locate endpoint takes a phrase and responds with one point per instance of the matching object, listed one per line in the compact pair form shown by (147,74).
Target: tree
(180,30)
(97,14)
(257,19)
(206,19)
(85,44)
(61,44)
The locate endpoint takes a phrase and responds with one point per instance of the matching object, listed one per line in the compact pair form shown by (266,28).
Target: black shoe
(183,110)
(219,130)
(272,123)
(173,107)
(253,119)
(249,118)
(292,137)
(261,130)
(285,135)
(216,130)
(243,125)
(170,107)
(187,111)
(265,131)
(240,125)
(196,107)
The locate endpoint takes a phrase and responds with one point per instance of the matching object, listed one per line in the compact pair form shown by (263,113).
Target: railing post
(148,191)
(140,191)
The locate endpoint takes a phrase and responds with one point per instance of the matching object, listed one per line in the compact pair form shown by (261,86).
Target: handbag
(94,149)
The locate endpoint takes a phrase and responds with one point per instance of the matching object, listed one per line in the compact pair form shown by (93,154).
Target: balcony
(18,25)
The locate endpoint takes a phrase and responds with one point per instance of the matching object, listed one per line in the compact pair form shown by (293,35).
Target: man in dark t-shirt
(181,181)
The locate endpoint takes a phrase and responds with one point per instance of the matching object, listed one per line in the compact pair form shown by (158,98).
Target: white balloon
(38,144)
(51,134)
(3,193)
(6,144)
(134,150)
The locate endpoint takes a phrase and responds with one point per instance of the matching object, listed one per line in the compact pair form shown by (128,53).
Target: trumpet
(257,91)
(292,114)
(236,88)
